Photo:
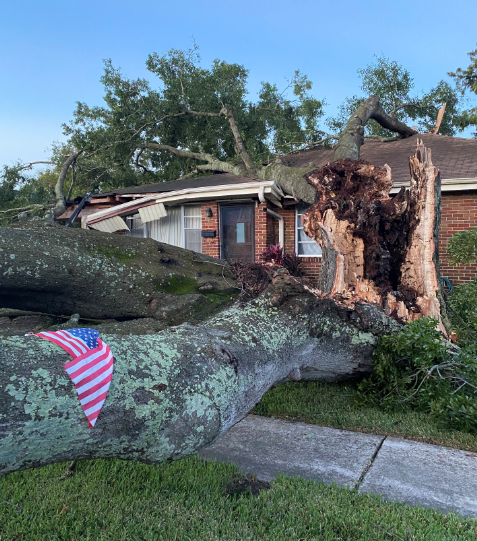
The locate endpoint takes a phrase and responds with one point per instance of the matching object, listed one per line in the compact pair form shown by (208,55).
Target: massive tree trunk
(176,391)
(62,271)
(379,248)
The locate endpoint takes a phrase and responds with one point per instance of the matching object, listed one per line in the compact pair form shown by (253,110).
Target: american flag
(91,369)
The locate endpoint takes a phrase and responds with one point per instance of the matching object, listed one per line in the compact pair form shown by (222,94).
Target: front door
(237,232)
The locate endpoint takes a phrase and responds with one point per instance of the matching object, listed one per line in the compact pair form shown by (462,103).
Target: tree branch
(239,141)
(60,197)
(352,137)
(213,163)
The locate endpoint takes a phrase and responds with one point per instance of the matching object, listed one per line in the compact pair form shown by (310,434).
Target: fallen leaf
(65,508)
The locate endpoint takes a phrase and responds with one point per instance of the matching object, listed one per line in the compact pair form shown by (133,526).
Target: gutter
(194,194)
(281,223)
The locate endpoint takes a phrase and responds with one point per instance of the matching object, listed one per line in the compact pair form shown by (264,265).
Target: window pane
(240,232)
(302,236)
(308,248)
(193,240)
(192,223)
(192,210)
(169,228)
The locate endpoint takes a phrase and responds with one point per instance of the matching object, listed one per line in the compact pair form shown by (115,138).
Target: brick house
(231,217)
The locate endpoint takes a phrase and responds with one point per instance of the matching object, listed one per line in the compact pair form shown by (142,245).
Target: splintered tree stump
(378,248)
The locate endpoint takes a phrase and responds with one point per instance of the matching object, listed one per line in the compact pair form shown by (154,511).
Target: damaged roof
(181,184)
(455,157)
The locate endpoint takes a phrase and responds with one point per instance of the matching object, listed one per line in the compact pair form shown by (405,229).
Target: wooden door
(237,232)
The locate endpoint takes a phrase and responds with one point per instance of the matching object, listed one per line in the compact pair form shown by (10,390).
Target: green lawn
(334,405)
(187,500)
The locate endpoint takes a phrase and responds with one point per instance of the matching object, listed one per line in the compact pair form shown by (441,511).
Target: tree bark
(352,137)
(176,391)
(60,270)
(59,192)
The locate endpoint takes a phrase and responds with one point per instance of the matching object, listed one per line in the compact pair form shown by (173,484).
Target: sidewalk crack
(369,464)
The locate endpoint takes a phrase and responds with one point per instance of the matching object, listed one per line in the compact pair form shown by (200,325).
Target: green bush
(417,367)
(463,312)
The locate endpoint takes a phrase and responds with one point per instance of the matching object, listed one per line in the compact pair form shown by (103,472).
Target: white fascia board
(204,192)
(447,185)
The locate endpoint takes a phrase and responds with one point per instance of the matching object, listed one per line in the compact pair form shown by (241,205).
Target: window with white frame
(192,227)
(304,245)
(136,227)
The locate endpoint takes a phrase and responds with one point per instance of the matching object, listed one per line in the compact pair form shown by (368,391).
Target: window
(192,227)
(304,245)
(136,227)
(181,227)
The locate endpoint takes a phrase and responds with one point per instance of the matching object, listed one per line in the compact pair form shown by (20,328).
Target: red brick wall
(210,245)
(311,265)
(262,230)
(459,212)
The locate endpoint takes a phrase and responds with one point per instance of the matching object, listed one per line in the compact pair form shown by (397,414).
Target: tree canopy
(393,84)
(190,120)
(466,80)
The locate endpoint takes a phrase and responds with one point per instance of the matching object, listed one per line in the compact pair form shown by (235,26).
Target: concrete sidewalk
(418,473)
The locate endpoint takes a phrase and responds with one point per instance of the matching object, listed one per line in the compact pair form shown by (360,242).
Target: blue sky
(51,52)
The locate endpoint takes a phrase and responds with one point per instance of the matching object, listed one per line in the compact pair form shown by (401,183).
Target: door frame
(221,237)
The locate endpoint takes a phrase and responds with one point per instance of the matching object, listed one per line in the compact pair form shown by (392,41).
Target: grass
(187,500)
(334,405)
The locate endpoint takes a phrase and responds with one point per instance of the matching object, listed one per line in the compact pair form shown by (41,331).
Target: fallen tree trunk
(176,391)
(62,271)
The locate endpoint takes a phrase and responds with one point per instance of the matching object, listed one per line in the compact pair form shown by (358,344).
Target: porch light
(208,213)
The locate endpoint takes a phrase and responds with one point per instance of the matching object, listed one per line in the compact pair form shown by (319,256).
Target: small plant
(273,254)
(417,367)
(293,264)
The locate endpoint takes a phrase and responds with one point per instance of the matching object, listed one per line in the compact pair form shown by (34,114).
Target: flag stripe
(94,388)
(98,400)
(81,389)
(72,350)
(74,340)
(102,390)
(91,369)
(81,369)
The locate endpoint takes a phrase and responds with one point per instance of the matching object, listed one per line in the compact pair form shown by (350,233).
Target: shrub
(463,312)
(417,367)
(252,276)
(293,264)
(275,254)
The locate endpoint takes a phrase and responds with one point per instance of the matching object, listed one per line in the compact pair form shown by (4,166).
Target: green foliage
(463,247)
(463,313)
(463,302)
(137,112)
(417,367)
(466,80)
(393,84)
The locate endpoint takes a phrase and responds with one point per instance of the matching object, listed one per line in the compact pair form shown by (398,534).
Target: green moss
(180,285)
(213,302)
(110,252)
